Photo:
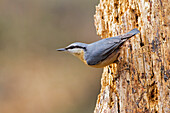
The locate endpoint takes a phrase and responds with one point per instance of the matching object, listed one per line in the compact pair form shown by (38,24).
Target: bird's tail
(130,34)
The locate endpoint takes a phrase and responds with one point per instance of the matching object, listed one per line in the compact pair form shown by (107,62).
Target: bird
(100,53)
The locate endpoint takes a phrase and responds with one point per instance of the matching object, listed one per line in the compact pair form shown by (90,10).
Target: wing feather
(100,50)
(100,53)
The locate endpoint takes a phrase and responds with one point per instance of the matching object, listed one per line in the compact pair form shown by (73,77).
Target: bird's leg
(116,61)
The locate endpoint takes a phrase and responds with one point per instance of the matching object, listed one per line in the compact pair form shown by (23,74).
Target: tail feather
(130,34)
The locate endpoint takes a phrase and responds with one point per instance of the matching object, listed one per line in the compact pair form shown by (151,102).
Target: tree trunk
(140,81)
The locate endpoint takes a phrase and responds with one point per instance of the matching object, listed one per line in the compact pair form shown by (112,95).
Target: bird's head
(76,49)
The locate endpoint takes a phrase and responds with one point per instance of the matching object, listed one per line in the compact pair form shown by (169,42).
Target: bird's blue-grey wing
(101,50)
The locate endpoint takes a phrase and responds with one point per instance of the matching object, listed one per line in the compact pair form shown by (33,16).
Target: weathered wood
(141,81)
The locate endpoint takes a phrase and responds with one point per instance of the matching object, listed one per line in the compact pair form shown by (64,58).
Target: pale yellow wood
(141,83)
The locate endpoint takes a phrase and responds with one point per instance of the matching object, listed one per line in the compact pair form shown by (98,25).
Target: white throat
(78,52)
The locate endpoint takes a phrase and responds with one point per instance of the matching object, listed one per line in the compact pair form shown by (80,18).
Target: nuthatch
(100,53)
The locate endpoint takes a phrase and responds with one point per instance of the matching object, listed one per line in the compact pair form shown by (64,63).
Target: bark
(140,81)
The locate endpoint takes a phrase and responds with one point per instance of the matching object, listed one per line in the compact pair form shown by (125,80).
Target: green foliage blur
(34,77)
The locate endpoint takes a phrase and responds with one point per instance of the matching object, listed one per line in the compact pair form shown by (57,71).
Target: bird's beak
(61,49)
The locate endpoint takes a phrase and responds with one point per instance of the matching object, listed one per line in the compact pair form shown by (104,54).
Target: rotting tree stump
(141,82)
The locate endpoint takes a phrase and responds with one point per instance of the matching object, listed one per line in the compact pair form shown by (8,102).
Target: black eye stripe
(72,47)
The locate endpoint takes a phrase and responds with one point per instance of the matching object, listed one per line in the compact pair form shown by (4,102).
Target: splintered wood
(140,82)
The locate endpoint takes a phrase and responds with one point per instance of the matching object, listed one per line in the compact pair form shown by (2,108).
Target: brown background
(34,78)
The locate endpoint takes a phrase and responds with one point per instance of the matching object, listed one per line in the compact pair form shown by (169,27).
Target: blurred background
(34,77)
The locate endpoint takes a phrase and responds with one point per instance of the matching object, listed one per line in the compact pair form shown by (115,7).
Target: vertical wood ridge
(140,81)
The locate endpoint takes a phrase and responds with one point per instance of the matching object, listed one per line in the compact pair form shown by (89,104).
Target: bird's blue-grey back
(100,50)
